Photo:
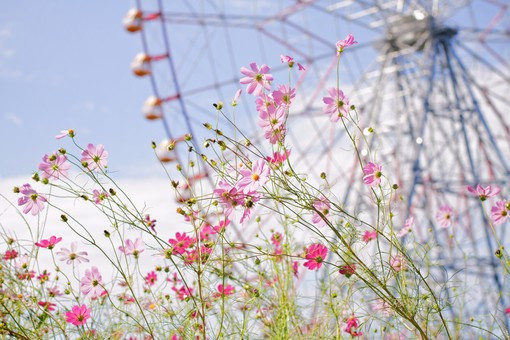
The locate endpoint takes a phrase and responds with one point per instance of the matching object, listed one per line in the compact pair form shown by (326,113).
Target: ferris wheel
(431,78)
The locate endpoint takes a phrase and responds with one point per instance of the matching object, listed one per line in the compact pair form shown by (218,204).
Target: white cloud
(13,118)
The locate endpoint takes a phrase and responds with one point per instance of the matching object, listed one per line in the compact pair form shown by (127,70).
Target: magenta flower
(222,226)
(181,242)
(257,79)
(255,178)
(278,158)
(322,205)
(92,283)
(33,202)
(315,254)
(71,255)
(183,293)
(348,270)
(373,174)
(95,157)
(290,61)
(353,326)
(341,44)
(151,223)
(337,104)
(133,248)
(10,254)
(444,216)
(78,316)
(151,278)
(276,239)
(499,212)
(49,243)
(206,231)
(225,290)
(408,225)
(398,263)
(49,306)
(54,166)
(369,236)
(484,193)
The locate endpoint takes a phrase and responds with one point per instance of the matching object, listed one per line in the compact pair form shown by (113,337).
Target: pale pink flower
(337,104)
(229,196)
(398,263)
(321,205)
(181,242)
(290,61)
(257,79)
(92,283)
(133,248)
(369,236)
(483,193)
(284,95)
(444,216)
(54,166)
(271,118)
(95,157)
(71,255)
(255,178)
(33,202)
(249,202)
(382,307)
(353,326)
(64,133)
(99,196)
(341,44)
(79,315)
(236,97)
(373,174)
(408,225)
(22,262)
(49,243)
(315,254)
(499,212)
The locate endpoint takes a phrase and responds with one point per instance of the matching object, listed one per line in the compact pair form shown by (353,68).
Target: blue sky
(66,66)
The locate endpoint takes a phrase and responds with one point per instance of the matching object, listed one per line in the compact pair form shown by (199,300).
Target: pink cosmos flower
(151,278)
(257,79)
(408,225)
(284,95)
(222,226)
(49,243)
(133,248)
(278,158)
(99,196)
(322,205)
(49,306)
(22,262)
(183,293)
(499,212)
(353,326)
(33,202)
(206,232)
(290,61)
(295,268)
(369,236)
(95,157)
(507,310)
(236,97)
(225,290)
(398,263)
(10,254)
(276,239)
(341,44)
(484,193)
(181,242)
(315,254)
(337,104)
(444,216)
(229,196)
(54,166)
(271,119)
(348,270)
(79,315)
(151,223)
(64,133)
(92,283)
(255,178)
(373,174)
(71,255)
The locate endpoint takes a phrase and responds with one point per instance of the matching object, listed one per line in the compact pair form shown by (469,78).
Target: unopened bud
(323,175)
(36,177)
(112,192)
(106,234)
(63,218)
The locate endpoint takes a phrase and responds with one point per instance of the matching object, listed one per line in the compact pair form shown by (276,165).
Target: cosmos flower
(33,202)
(78,315)
(315,254)
(257,79)
(337,104)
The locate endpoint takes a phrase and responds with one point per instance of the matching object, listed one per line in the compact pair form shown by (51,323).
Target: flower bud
(63,218)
